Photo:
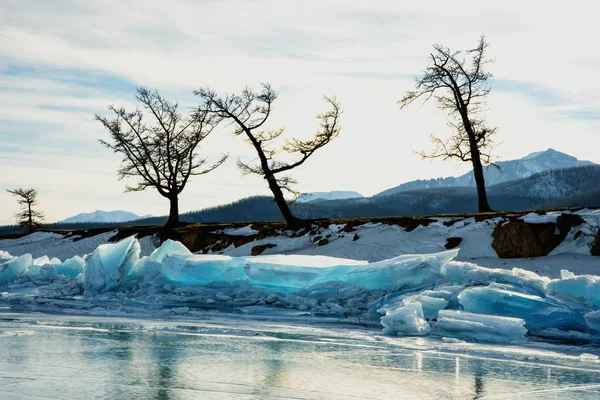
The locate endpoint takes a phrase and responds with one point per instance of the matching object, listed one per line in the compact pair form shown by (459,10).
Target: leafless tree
(249,112)
(163,155)
(459,87)
(28,217)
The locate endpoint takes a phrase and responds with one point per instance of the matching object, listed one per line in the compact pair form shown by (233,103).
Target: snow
(54,245)
(244,231)
(535,218)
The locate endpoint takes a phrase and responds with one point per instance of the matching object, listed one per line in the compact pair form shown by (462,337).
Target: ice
(583,290)
(408,294)
(406,320)
(71,267)
(109,265)
(592,319)
(561,335)
(149,268)
(13,268)
(172,265)
(199,270)
(431,302)
(463,272)
(505,300)
(43,260)
(480,327)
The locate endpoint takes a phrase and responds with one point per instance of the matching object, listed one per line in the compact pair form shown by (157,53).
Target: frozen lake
(73,357)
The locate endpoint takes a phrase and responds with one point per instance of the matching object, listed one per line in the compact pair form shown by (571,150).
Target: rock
(453,242)
(323,242)
(356,237)
(596,245)
(257,250)
(520,239)
(567,221)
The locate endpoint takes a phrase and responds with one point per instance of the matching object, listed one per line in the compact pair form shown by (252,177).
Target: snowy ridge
(414,295)
(104,216)
(326,196)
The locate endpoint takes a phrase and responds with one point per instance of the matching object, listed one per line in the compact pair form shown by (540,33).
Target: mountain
(104,216)
(507,171)
(554,184)
(327,196)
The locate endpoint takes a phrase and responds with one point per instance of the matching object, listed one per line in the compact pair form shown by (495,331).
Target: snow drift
(426,294)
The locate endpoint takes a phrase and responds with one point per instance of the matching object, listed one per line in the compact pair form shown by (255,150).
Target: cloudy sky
(63,61)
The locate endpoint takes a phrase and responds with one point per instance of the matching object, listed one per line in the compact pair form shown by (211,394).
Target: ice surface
(406,320)
(13,268)
(480,327)
(109,265)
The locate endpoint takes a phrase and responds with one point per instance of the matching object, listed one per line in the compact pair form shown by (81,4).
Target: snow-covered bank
(565,245)
(424,294)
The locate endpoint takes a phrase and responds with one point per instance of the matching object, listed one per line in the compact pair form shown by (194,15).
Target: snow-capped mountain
(507,171)
(326,196)
(104,216)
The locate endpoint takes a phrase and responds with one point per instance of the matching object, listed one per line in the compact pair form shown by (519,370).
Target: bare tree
(28,217)
(459,87)
(163,155)
(249,112)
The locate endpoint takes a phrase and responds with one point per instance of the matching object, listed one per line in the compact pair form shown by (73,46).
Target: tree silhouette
(28,217)
(460,88)
(162,155)
(249,112)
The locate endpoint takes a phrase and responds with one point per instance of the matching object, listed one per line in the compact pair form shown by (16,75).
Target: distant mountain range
(503,171)
(326,196)
(104,216)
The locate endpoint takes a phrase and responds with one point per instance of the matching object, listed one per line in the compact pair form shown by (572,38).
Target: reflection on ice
(72,358)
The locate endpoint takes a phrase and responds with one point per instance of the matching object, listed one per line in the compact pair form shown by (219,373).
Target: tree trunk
(484,206)
(173,220)
(290,219)
(30,219)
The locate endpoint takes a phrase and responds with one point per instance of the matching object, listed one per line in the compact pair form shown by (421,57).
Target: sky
(62,62)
